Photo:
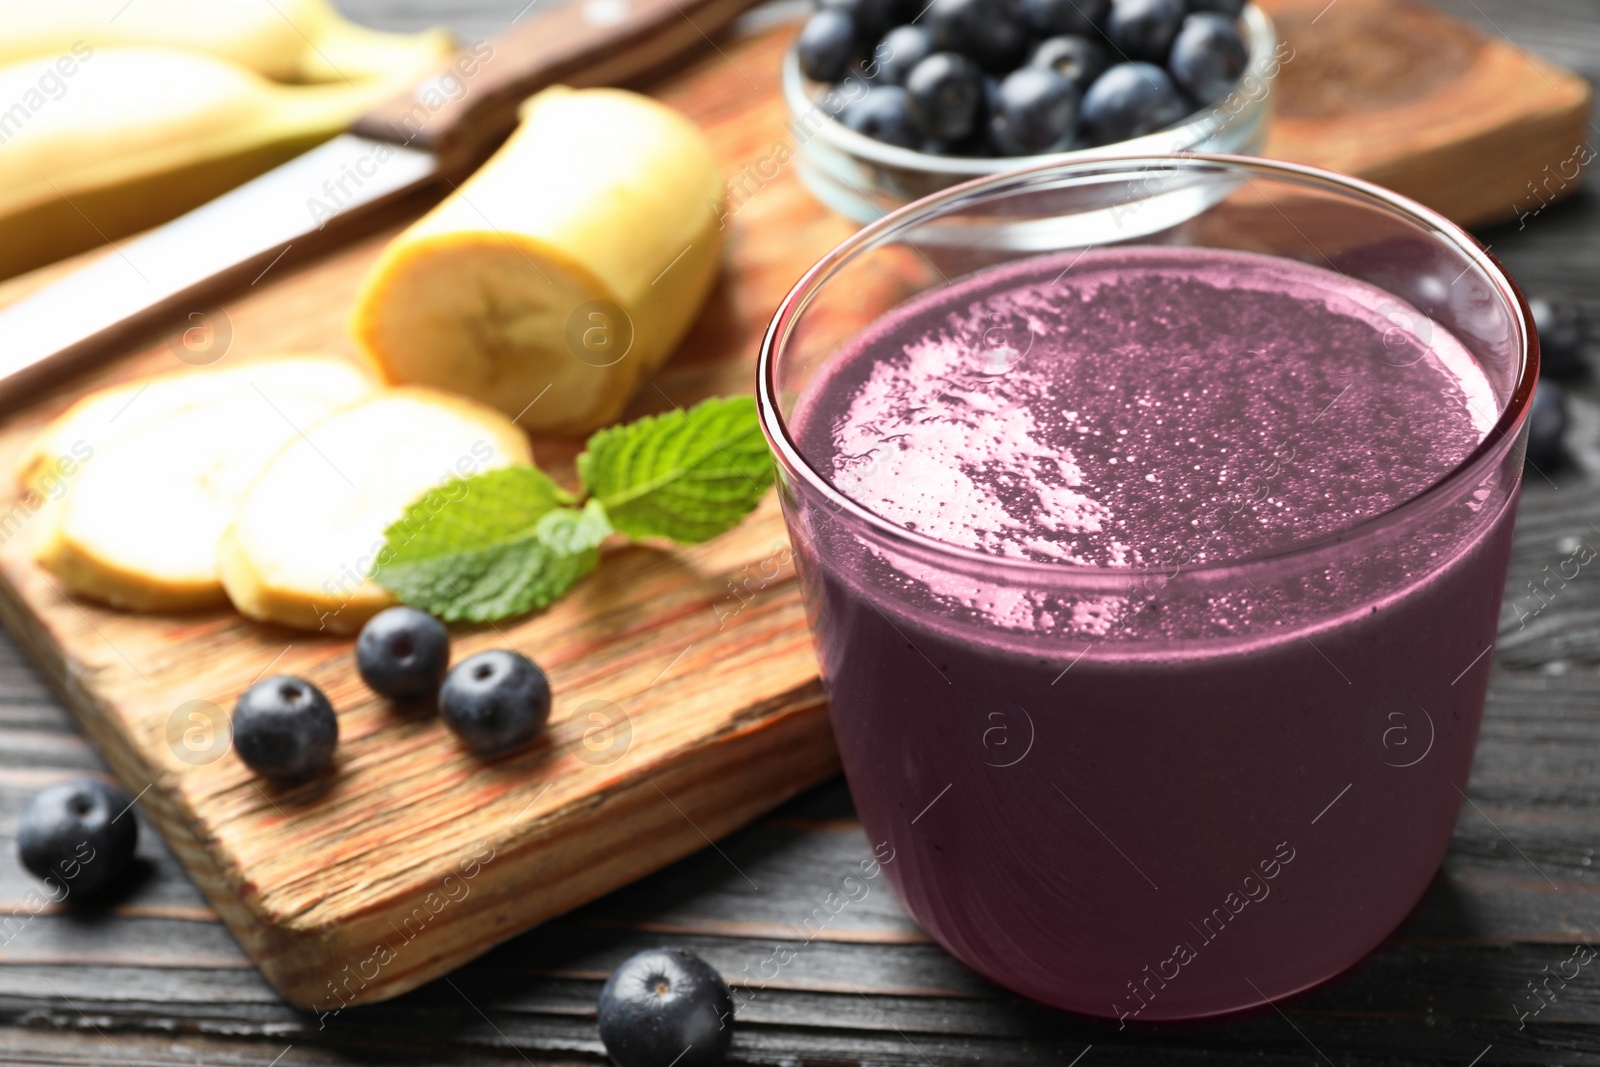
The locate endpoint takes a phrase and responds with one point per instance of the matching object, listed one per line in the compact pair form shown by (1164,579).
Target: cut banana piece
(138,527)
(560,276)
(310,528)
(88,426)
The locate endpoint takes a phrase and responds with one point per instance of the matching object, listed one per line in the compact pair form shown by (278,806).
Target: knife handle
(463,112)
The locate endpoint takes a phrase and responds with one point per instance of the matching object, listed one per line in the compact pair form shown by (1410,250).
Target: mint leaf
(688,476)
(494,545)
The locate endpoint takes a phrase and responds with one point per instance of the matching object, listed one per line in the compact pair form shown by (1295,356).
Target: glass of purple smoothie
(1152,517)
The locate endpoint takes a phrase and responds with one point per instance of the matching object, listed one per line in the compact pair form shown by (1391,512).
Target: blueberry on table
(901,49)
(871,18)
(1563,338)
(1547,422)
(1064,16)
(663,1007)
(825,45)
(945,92)
(1144,29)
(884,114)
(495,701)
(79,836)
(1208,55)
(1130,100)
(1036,110)
(284,728)
(1231,8)
(982,30)
(402,653)
(1077,59)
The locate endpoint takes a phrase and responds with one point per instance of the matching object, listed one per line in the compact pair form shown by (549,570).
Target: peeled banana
(564,272)
(100,143)
(285,40)
(307,533)
(139,519)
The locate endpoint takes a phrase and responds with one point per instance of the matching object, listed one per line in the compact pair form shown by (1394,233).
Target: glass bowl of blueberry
(891,100)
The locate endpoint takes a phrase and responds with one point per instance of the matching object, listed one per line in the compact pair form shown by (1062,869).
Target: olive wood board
(686,692)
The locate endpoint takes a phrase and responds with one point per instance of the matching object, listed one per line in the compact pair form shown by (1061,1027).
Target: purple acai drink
(1161,658)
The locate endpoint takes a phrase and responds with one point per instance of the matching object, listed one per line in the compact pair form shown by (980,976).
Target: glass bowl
(864,179)
(1184,786)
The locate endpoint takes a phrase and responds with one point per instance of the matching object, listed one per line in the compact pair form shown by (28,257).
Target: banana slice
(307,532)
(139,525)
(53,458)
(564,272)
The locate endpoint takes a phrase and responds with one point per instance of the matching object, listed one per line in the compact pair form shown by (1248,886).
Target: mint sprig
(510,541)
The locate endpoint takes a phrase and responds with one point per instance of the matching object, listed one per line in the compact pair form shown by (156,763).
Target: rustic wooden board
(415,857)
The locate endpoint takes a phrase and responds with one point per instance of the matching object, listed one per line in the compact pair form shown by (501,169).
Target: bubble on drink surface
(605,732)
(600,333)
(198,733)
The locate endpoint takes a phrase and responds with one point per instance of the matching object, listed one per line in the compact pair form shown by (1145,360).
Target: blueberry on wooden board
(825,45)
(1130,100)
(663,1007)
(284,728)
(495,701)
(1563,339)
(1077,59)
(901,49)
(1144,29)
(1036,110)
(80,837)
(1207,57)
(1547,422)
(884,114)
(402,653)
(945,93)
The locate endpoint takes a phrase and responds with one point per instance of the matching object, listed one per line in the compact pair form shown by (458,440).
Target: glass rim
(775,427)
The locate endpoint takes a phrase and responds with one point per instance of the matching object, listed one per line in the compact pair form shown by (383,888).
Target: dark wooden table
(159,981)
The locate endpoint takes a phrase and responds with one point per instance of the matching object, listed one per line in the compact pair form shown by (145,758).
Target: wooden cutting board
(687,698)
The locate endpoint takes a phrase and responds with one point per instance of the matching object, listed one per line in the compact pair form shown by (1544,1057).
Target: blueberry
(1036,111)
(1130,100)
(1563,339)
(285,728)
(945,92)
(884,114)
(1051,17)
(495,701)
(871,18)
(1144,29)
(1207,57)
(403,653)
(1547,421)
(901,49)
(1231,8)
(1077,59)
(79,836)
(825,45)
(666,1006)
(979,29)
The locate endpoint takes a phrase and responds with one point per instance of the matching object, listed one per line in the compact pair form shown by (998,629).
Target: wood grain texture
(1464,121)
(158,979)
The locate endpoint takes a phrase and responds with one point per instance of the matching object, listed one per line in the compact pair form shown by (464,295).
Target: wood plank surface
(158,979)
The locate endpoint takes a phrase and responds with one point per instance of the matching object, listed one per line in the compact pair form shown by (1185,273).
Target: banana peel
(563,273)
(295,41)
